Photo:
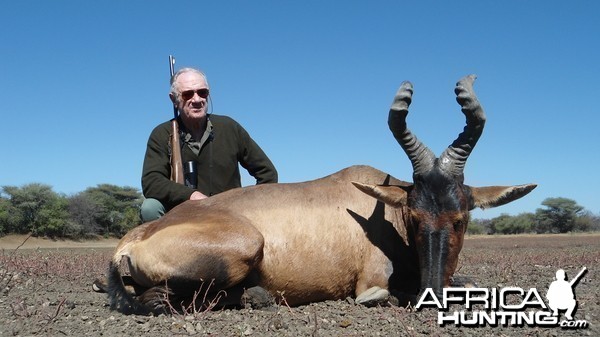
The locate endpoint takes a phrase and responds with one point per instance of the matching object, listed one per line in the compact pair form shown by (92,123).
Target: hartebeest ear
(493,196)
(392,195)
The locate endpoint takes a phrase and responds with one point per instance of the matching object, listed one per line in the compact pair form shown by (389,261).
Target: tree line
(109,210)
(105,210)
(559,215)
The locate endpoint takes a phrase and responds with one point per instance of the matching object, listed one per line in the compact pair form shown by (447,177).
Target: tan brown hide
(314,244)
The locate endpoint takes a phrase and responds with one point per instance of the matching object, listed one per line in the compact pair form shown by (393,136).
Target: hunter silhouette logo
(561,295)
(508,306)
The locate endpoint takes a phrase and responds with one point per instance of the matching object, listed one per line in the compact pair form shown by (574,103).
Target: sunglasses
(188,94)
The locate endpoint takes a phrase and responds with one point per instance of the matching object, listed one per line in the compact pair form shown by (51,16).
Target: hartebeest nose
(433,253)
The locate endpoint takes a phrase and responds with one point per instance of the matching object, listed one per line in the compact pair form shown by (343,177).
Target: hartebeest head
(438,202)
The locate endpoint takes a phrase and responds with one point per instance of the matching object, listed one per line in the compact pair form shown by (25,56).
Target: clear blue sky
(84,82)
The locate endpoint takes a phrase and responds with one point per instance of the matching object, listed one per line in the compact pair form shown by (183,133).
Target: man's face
(192,100)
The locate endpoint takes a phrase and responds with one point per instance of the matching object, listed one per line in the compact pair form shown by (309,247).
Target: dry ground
(45,290)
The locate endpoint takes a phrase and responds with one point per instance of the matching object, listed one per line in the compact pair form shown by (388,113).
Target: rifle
(576,278)
(176,161)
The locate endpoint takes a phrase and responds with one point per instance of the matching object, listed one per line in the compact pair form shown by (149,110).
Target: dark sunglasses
(188,94)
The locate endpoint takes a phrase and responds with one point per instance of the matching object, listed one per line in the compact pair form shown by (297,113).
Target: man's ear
(173,99)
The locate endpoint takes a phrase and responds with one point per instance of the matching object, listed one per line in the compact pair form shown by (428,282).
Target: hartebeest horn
(455,156)
(420,156)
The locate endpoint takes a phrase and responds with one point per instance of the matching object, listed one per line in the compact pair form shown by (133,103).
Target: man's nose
(197,98)
(198,103)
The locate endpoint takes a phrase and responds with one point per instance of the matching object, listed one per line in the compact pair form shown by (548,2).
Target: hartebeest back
(358,232)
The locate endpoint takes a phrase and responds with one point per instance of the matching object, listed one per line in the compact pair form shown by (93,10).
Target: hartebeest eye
(457,225)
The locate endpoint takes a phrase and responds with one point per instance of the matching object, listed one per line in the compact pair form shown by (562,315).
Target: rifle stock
(176,161)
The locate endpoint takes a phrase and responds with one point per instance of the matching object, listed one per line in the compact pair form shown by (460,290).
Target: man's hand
(197,196)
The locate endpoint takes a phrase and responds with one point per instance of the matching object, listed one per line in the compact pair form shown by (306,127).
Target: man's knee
(151,209)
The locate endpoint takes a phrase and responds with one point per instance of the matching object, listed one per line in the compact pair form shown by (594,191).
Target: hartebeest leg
(201,258)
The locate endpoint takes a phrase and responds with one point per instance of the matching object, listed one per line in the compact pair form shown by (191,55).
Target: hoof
(100,285)
(257,298)
(373,296)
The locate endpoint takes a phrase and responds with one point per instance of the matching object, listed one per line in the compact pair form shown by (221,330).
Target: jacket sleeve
(156,172)
(254,159)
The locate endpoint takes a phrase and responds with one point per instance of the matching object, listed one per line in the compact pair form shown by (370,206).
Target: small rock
(189,328)
(345,323)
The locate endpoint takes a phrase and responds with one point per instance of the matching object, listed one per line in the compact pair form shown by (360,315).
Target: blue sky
(84,82)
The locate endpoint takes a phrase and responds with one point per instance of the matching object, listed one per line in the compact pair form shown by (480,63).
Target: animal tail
(120,299)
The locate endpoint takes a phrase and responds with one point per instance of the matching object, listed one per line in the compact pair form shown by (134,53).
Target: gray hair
(174,89)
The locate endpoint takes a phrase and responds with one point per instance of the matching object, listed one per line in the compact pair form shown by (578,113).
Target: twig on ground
(284,302)
(51,318)
(192,308)
(60,305)
(316,330)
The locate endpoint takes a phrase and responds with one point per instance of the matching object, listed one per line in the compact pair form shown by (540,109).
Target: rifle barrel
(576,278)
(172,70)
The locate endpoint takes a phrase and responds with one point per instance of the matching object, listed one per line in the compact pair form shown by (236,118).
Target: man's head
(189,93)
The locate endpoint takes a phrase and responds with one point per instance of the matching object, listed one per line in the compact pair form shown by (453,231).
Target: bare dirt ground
(45,289)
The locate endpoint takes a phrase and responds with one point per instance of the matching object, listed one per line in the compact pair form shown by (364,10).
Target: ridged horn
(420,156)
(455,156)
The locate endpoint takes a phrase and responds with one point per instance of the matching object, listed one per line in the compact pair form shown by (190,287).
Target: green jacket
(224,145)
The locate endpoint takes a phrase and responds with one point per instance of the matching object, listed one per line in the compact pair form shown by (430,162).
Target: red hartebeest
(358,232)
